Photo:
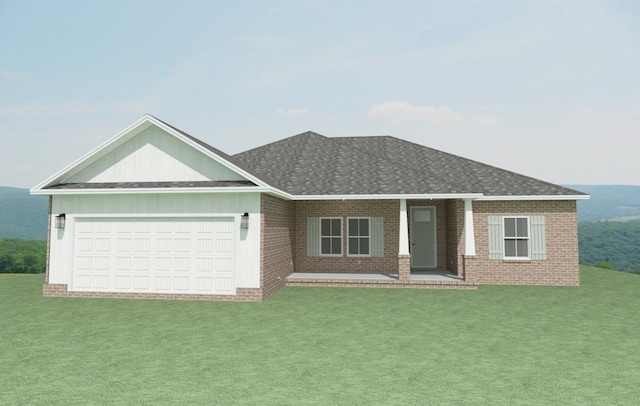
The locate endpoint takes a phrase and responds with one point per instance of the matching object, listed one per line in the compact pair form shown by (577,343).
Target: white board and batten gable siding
(153,156)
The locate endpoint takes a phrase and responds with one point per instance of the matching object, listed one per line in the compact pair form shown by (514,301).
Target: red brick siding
(388,209)
(277,243)
(454,217)
(561,232)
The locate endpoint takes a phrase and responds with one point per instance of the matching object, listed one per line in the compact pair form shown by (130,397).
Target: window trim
(527,238)
(359,237)
(320,237)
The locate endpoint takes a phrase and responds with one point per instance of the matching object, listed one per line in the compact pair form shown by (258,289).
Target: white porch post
(404,258)
(469,239)
(403,242)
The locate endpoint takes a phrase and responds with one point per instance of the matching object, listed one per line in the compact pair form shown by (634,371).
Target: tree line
(610,244)
(22,256)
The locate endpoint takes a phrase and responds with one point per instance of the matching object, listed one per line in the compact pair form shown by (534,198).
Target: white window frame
(527,238)
(321,237)
(358,237)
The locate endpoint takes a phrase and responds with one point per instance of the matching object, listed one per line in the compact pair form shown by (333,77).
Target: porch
(425,279)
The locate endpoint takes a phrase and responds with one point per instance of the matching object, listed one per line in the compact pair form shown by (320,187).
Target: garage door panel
(122,282)
(193,255)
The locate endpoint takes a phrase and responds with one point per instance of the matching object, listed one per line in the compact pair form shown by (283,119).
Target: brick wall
(561,232)
(454,218)
(277,243)
(388,209)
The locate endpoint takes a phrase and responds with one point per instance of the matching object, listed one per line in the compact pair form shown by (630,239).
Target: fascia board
(91,154)
(124,191)
(535,197)
(388,197)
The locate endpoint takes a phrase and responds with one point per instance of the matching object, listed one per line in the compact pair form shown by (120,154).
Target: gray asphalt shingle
(312,164)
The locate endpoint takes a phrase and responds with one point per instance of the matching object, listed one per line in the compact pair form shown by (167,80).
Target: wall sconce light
(244,220)
(60,220)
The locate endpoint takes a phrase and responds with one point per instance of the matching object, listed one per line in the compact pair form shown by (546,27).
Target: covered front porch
(417,242)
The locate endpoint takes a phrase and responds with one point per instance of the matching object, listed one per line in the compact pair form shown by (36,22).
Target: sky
(549,89)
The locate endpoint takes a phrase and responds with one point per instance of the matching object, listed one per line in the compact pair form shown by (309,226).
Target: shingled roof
(312,164)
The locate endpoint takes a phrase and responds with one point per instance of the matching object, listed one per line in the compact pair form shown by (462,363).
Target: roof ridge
(306,133)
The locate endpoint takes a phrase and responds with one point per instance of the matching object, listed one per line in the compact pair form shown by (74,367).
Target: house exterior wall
(389,210)
(247,244)
(561,266)
(277,242)
(441,227)
(454,218)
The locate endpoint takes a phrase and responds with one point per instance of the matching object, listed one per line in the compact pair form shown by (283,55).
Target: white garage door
(154,255)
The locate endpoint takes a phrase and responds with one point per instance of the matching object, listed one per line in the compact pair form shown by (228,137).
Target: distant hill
(612,242)
(609,226)
(22,215)
(609,202)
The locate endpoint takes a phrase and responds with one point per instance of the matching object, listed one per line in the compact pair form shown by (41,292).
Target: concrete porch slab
(419,279)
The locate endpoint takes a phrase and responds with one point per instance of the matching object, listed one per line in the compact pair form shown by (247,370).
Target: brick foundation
(242,295)
(404,267)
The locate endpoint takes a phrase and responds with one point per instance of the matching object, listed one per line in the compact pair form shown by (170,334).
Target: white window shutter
(313,236)
(377,237)
(538,241)
(495,237)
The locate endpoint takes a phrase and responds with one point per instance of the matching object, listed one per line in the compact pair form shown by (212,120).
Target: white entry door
(423,237)
(154,255)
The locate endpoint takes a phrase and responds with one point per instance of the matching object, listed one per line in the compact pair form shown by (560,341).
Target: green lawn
(325,346)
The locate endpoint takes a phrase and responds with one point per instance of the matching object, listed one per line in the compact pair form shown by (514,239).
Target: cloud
(404,111)
(487,120)
(14,76)
(291,112)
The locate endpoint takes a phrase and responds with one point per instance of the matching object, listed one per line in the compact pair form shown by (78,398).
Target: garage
(189,255)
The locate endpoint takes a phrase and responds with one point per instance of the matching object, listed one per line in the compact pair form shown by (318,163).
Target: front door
(423,237)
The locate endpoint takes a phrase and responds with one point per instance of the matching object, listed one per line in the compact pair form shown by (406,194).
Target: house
(156,213)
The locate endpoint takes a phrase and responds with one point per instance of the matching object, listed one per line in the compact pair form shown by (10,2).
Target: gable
(153,156)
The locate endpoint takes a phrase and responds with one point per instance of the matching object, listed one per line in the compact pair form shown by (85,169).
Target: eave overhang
(535,197)
(123,191)
(413,196)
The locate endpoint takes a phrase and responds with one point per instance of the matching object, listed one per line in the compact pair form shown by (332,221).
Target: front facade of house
(156,213)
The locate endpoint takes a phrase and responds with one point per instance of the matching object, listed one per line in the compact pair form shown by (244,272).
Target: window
(359,237)
(516,237)
(331,236)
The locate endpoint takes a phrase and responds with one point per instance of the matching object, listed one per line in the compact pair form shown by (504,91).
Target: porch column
(404,257)
(469,239)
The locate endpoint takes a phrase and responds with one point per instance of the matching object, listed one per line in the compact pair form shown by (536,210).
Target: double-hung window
(359,241)
(516,237)
(331,236)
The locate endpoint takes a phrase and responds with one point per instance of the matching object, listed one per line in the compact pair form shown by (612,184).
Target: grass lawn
(325,346)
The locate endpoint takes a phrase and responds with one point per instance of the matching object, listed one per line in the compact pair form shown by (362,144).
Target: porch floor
(419,279)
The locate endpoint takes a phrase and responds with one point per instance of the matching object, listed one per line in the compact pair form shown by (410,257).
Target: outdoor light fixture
(244,220)
(60,220)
